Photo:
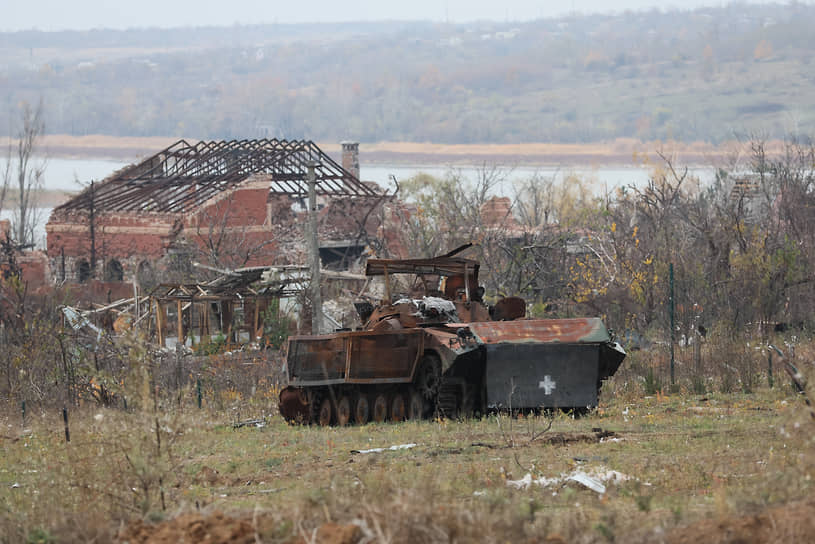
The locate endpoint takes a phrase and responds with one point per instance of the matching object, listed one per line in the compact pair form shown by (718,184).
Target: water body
(601,180)
(72,174)
(63,174)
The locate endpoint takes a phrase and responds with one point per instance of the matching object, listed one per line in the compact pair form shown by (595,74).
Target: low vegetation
(666,461)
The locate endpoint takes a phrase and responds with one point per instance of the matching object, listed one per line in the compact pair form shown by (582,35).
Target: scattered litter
(392,448)
(527,481)
(612,439)
(594,480)
(588,481)
(258,423)
(479,493)
(593,458)
(15,485)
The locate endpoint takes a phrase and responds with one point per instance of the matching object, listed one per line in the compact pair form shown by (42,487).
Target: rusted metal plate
(354,357)
(443,266)
(316,358)
(568,331)
(384,356)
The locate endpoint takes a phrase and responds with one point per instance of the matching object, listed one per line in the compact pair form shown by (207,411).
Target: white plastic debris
(527,481)
(15,485)
(586,480)
(392,448)
(594,479)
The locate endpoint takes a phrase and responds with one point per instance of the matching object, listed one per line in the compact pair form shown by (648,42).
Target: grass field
(669,464)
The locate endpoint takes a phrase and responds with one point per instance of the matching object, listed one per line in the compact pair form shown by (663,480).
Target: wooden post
(467,283)
(205,319)
(387,286)
(314,251)
(65,419)
(226,316)
(180,322)
(136,297)
(159,323)
(192,320)
(257,315)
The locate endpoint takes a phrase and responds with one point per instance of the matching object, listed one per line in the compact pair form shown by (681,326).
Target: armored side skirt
(529,376)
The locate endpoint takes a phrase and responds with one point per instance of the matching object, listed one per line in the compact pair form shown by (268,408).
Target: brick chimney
(350,157)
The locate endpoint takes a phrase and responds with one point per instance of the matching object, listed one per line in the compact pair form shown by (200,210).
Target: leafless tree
(220,242)
(24,173)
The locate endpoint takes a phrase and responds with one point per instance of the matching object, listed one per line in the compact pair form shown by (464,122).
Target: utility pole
(314,251)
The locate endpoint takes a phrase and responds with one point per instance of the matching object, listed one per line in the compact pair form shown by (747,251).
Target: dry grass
(689,458)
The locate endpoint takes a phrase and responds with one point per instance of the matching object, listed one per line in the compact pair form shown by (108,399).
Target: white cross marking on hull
(548,385)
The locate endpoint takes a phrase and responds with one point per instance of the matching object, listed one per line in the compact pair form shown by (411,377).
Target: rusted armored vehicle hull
(453,370)
(417,359)
(352,377)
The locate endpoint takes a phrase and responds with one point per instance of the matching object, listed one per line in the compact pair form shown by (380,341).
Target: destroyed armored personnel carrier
(445,354)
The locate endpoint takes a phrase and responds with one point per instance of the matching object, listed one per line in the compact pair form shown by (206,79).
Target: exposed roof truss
(184,176)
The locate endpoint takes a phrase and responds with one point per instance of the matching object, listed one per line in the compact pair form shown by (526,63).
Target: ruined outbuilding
(225,204)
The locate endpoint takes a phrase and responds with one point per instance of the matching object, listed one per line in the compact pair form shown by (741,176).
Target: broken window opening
(114,271)
(83,271)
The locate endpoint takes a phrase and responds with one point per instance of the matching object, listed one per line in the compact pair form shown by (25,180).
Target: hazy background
(86,14)
(571,72)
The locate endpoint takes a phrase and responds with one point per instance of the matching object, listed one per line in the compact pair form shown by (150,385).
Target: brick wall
(246,226)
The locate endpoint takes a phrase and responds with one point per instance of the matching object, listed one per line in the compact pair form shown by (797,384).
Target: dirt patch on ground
(562,439)
(219,528)
(793,522)
(190,528)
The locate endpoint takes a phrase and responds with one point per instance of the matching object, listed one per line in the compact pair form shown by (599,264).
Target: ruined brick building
(224,204)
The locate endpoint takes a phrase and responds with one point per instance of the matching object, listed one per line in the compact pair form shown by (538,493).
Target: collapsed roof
(184,176)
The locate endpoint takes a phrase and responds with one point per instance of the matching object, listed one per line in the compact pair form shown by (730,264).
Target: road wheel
(398,407)
(326,415)
(344,411)
(380,408)
(417,406)
(362,410)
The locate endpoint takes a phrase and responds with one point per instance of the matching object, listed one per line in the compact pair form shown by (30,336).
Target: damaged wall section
(224,204)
